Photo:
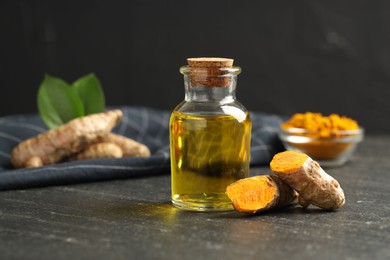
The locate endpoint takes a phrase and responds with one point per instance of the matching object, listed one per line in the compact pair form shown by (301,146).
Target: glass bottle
(209,136)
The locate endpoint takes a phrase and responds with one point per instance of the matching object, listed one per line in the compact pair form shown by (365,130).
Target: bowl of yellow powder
(330,140)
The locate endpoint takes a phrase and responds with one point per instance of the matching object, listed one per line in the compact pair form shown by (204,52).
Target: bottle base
(202,203)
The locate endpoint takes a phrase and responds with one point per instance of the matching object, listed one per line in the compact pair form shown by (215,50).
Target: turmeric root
(34,161)
(56,144)
(130,147)
(306,176)
(260,193)
(113,146)
(100,150)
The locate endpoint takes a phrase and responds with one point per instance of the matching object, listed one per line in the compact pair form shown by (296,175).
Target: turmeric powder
(59,143)
(306,176)
(259,193)
(318,125)
(324,132)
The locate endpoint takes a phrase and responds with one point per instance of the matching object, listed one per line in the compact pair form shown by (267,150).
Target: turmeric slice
(288,163)
(306,176)
(59,143)
(259,193)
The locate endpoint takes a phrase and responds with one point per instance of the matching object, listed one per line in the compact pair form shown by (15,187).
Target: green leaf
(91,93)
(58,103)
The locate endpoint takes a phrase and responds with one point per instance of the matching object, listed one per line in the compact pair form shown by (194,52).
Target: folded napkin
(146,125)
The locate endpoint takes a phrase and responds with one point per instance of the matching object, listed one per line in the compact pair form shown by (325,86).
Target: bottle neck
(200,93)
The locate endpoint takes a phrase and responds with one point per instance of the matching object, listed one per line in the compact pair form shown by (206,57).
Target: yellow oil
(207,154)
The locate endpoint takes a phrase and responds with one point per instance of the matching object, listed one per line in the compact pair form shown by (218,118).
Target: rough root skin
(56,144)
(34,161)
(130,147)
(259,193)
(312,183)
(100,150)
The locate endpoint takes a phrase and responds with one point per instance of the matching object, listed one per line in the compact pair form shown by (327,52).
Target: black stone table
(133,219)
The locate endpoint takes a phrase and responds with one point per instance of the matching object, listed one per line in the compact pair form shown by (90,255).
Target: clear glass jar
(210,135)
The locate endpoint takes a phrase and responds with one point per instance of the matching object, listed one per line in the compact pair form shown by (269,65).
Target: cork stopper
(209,71)
(210,62)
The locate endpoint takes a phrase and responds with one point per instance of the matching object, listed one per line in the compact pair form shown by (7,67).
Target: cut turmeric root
(306,176)
(57,144)
(260,193)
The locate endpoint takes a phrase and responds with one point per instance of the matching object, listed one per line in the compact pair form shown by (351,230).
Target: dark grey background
(322,56)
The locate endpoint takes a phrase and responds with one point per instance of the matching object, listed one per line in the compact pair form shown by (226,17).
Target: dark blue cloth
(146,125)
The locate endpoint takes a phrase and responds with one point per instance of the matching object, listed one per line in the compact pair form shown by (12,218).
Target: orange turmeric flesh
(251,194)
(288,161)
(259,193)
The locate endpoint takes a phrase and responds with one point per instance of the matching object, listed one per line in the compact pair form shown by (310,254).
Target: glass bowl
(330,151)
